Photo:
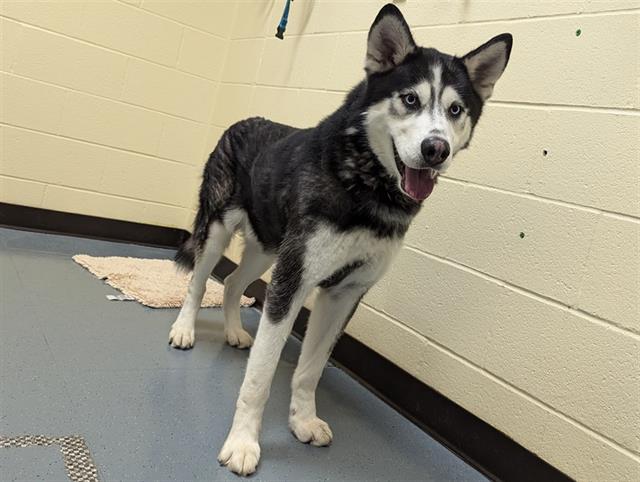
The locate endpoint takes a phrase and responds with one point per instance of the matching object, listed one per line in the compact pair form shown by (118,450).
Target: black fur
(185,257)
(288,179)
(338,276)
(286,276)
(346,322)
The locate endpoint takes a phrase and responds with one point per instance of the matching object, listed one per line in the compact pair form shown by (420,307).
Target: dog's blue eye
(455,110)
(410,101)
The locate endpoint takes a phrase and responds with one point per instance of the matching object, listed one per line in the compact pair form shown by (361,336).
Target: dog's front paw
(181,336)
(238,337)
(311,430)
(240,454)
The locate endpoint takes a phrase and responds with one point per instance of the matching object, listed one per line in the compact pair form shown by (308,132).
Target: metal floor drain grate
(77,459)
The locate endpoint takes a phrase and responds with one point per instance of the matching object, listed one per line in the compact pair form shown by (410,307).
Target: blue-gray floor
(74,363)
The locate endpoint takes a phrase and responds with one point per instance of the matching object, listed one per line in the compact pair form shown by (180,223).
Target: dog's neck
(374,194)
(364,175)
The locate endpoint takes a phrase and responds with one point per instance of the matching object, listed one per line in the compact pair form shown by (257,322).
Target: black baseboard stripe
(58,222)
(481,445)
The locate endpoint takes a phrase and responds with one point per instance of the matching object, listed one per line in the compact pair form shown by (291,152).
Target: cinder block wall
(517,293)
(106,105)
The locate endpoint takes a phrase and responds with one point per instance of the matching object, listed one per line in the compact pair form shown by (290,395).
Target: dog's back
(225,175)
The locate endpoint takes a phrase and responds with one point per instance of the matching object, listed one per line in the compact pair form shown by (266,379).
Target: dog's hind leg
(254,262)
(332,310)
(182,331)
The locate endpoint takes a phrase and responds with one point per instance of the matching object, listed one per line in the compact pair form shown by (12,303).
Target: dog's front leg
(332,311)
(285,295)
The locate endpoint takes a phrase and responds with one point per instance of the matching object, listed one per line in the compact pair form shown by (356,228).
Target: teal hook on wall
(282,26)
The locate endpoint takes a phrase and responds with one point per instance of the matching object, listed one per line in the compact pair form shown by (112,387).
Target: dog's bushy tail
(216,190)
(185,257)
(190,249)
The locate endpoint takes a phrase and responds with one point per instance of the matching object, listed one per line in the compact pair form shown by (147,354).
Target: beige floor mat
(153,282)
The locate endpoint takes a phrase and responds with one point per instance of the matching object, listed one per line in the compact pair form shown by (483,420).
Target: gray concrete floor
(74,363)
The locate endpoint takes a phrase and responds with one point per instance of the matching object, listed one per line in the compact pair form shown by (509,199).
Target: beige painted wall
(109,108)
(106,105)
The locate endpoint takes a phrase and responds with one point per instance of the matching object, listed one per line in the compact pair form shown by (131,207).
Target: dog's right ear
(389,41)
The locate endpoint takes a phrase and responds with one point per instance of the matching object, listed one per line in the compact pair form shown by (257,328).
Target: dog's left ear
(486,63)
(389,41)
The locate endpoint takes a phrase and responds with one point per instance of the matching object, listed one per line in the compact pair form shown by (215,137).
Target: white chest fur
(329,250)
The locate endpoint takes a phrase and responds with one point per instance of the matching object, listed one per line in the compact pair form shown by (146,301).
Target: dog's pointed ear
(389,41)
(487,63)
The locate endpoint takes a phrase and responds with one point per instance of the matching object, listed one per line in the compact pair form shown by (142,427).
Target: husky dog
(330,206)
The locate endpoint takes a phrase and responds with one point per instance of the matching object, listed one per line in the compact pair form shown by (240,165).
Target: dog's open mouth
(416,183)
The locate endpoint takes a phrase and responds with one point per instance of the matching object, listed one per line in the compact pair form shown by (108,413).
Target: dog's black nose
(435,150)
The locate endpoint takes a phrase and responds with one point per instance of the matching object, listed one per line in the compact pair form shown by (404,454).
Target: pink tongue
(417,183)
